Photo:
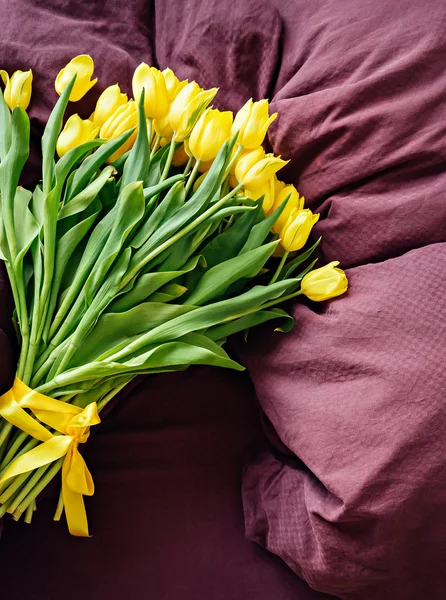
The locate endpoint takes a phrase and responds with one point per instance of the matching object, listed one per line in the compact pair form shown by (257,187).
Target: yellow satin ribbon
(74,424)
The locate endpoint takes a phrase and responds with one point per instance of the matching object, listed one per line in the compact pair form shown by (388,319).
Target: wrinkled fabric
(349,487)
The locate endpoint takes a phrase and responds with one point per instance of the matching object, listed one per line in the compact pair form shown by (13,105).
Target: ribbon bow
(74,424)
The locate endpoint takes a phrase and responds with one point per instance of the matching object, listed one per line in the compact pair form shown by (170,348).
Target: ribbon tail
(42,455)
(73,501)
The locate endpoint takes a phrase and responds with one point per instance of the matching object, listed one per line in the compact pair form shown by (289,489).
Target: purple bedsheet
(350,487)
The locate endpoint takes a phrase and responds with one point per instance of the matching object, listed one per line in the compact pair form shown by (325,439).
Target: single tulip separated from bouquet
(136,267)
(18,88)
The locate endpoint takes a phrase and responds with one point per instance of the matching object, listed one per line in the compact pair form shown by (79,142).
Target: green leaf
(137,164)
(114,329)
(92,251)
(10,170)
(71,159)
(156,166)
(171,354)
(229,243)
(130,207)
(175,198)
(86,197)
(147,284)
(202,318)
(5,127)
(261,230)
(65,248)
(50,135)
(26,226)
(223,331)
(216,281)
(169,292)
(200,200)
(291,267)
(91,164)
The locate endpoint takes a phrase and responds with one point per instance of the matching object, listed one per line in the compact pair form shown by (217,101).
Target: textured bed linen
(350,489)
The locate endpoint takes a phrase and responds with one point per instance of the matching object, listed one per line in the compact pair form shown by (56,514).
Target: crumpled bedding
(349,486)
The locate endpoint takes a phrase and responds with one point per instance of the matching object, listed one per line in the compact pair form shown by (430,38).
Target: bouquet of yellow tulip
(125,261)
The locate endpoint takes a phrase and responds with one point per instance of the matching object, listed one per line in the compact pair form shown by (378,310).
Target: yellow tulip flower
(247,160)
(203,167)
(325,283)
(173,84)
(233,183)
(123,119)
(297,229)
(252,122)
(254,174)
(17,88)
(211,131)
(180,157)
(108,102)
(156,103)
(77,131)
(267,191)
(295,202)
(278,185)
(82,66)
(163,127)
(187,108)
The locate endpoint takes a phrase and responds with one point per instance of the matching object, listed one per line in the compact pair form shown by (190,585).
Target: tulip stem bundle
(125,261)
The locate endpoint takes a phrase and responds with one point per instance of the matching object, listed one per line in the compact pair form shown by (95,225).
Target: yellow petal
(82,66)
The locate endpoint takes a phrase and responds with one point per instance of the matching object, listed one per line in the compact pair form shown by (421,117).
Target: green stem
(4,433)
(188,166)
(234,158)
(13,487)
(36,484)
(192,176)
(155,146)
(11,454)
(279,268)
(59,508)
(210,211)
(29,512)
(169,159)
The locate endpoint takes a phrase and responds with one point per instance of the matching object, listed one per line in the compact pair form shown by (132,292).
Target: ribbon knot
(73,426)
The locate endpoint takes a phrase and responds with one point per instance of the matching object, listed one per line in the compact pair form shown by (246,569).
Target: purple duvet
(346,482)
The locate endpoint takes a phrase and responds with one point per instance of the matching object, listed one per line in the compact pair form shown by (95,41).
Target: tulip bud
(252,122)
(254,174)
(267,191)
(77,131)
(278,186)
(187,108)
(18,88)
(297,229)
(123,119)
(294,202)
(211,131)
(325,283)
(82,66)
(173,84)
(203,167)
(163,127)
(247,160)
(180,157)
(233,183)
(156,104)
(108,102)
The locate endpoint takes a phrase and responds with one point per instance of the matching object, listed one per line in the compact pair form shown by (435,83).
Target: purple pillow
(353,497)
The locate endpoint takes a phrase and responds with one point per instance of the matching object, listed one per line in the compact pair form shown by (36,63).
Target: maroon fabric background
(350,490)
